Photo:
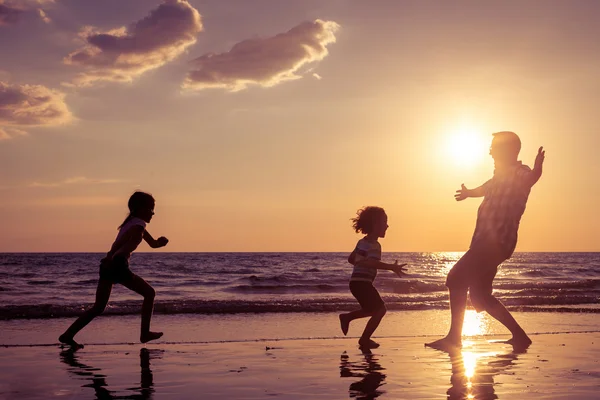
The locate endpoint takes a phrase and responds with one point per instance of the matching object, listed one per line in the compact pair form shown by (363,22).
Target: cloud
(263,61)
(9,133)
(23,106)
(11,10)
(44,16)
(78,180)
(9,14)
(71,201)
(124,53)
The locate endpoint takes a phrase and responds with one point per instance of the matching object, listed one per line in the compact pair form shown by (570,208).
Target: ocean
(52,285)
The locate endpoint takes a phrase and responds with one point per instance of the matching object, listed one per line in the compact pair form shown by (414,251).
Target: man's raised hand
(539,159)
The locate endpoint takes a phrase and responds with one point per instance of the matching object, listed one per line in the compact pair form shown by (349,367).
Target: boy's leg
(142,287)
(357,314)
(102,295)
(365,339)
(346,318)
(369,300)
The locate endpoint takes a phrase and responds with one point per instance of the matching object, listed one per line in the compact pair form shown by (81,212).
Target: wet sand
(559,365)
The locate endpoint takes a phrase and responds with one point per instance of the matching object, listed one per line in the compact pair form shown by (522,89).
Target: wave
(171,307)
(41,282)
(284,289)
(554,285)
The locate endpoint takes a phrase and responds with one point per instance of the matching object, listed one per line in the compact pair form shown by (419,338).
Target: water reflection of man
(470,380)
(370,372)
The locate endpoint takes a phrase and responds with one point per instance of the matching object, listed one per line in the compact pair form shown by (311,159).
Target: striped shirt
(499,215)
(364,250)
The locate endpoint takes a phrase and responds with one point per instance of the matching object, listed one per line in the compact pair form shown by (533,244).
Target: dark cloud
(125,53)
(9,15)
(263,61)
(23,106)
(11,10)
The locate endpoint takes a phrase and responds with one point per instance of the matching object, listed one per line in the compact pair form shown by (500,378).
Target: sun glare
(475,324)
(465,146)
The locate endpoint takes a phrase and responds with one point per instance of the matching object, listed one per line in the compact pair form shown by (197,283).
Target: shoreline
(196,328)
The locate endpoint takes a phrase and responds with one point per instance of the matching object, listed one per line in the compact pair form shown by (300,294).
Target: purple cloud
(23,106)
(127,52)
(263,61)
(9,14)
(11,10)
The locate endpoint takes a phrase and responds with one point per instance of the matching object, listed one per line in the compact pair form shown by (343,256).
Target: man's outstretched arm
(464,193)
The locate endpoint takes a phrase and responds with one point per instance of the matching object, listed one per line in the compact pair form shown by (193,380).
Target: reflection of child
(114,268)
(366,259)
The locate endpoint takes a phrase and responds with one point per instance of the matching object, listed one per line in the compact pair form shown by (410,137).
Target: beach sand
(225,357)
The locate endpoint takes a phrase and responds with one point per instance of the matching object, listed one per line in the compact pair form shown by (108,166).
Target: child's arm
(464,193)
(155,243)
(373,263)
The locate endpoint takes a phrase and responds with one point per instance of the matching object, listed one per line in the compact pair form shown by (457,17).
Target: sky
(264,125)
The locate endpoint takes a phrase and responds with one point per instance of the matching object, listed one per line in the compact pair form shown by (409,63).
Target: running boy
(366,258)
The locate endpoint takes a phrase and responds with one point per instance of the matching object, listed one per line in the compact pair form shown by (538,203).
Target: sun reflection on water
(475,323)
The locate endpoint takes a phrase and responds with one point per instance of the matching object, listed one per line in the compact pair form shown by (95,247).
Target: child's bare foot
(344,323)
(148,336)
(367,344)
(445,344)
(69,341)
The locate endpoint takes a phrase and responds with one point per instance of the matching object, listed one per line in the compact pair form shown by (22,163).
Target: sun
(466,147)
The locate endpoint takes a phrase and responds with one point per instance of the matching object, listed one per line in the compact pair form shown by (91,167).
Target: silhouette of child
(366,258)
(114,268)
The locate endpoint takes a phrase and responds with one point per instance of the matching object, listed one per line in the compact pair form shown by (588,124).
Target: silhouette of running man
(494,240)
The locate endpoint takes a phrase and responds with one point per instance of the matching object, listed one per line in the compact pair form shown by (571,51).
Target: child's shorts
(368,297)
(117,270)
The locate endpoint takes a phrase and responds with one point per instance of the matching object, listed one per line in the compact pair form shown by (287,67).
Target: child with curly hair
(366,258)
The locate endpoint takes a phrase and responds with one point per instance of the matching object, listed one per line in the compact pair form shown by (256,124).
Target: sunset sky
(264,125)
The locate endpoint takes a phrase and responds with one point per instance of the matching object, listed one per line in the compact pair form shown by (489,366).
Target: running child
(366,258)
(114,268)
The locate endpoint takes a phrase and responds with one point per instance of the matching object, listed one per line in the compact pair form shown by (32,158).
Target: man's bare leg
(497,310)
(458,305)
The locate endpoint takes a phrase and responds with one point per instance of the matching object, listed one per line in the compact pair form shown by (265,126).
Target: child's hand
(162,241)
(399,269)
(462,193)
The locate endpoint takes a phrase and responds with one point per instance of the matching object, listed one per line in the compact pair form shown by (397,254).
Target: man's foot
(445,344)
(367,344)
(69,341)
(148,336)
(344,323)
(521,342)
